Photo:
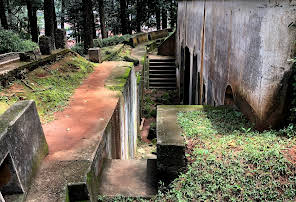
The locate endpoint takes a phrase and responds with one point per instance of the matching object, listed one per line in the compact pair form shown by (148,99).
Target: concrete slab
(127,178)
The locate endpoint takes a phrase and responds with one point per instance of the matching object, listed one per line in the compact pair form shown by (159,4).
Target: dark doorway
(9,182)
(182,75)
(187,77)
(198,88)
(194,80)
(229,100)
(204,94)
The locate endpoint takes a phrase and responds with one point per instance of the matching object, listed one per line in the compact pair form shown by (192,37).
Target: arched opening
(229,100)
(203,94)
(187,77)
(9,182)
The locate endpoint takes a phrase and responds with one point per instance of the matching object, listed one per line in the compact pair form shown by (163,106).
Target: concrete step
(162,87)
(153,75)
(167,71)
(162,64)
(162,67)
(164,83)
(162,79)
(129,178)
(163,60)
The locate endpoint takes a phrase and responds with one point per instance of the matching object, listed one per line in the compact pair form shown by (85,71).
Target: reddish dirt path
(90,106)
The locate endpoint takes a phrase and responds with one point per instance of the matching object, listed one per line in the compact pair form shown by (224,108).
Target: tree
(87,25)
(102,18)
(157,11)
(164,16)
(63,14)
(32,16)
(123,16)
(49,19)
(3,17)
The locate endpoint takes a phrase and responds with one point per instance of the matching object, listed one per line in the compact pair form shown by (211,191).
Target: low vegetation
(12,42)
(230,161)
(50,86)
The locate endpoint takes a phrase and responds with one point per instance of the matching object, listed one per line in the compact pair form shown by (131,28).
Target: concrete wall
(241,44)
(22,146)
(119,139)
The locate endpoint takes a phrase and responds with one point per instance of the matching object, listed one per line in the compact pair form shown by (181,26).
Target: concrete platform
(130,178)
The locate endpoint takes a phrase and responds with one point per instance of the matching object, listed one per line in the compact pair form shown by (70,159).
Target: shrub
(78,48)
(112,41)
(12,42)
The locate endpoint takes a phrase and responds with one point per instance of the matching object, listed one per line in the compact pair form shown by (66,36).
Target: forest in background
(84,20)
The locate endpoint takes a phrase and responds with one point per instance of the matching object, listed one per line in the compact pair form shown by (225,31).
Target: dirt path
(73,136)
(90,106)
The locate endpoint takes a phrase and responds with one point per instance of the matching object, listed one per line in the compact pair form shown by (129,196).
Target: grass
(230,161)
(50,86)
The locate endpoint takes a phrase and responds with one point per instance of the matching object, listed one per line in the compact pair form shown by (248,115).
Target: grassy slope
(229,161)
(50,86)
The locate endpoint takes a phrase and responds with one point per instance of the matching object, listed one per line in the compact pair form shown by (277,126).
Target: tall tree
(32,16)
(173,13)
(164,15)
(88,24)
(63,14)
(102,19)
(123,16)
(49,19)
(157,13)
(3,17)
(139,18)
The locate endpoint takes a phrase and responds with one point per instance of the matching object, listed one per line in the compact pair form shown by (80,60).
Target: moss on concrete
(118,77)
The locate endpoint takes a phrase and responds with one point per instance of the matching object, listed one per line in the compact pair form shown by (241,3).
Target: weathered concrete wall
(8,58)
(168,47)
(22,147)
(241,44)
(119,139)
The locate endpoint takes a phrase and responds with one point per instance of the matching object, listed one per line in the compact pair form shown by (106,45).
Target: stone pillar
(95,55)
(45,45)
(60,39)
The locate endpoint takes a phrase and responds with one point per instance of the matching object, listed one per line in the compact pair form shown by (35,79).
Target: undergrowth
(50,86)
(230,161)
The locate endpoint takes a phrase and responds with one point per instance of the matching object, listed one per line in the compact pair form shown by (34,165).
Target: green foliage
(78,48)
(230,161)
(51,88)
(12,42)
(111,41)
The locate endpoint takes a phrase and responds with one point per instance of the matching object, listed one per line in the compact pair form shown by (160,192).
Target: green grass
(229,161)
(50,88)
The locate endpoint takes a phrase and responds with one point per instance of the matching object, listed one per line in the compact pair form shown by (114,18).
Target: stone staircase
(162,73)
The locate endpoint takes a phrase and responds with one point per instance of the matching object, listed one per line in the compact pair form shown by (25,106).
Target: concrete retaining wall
(242,45)
(9,57)
(22,147)
(119,138)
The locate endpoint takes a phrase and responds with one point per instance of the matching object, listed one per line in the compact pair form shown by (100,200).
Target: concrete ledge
(22,147)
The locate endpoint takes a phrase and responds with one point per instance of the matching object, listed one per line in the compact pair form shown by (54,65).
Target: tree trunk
(124,26)
(49,21)
(87,25)
(164,16)
(63,15)
(3,18)
(139,15)
(173,14)
(157,13)
(93,24)
(32,16)
(102,19)
(34,26)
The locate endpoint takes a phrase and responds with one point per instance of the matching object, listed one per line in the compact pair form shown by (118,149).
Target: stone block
(22,148)
(45,45)
(60,39)
(170,145)
(95,55)
(30,55)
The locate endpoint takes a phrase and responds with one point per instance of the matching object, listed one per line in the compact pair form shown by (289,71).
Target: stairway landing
(129,178)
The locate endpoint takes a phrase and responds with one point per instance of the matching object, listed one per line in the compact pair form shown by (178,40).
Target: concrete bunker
(229,99)
(187,76)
